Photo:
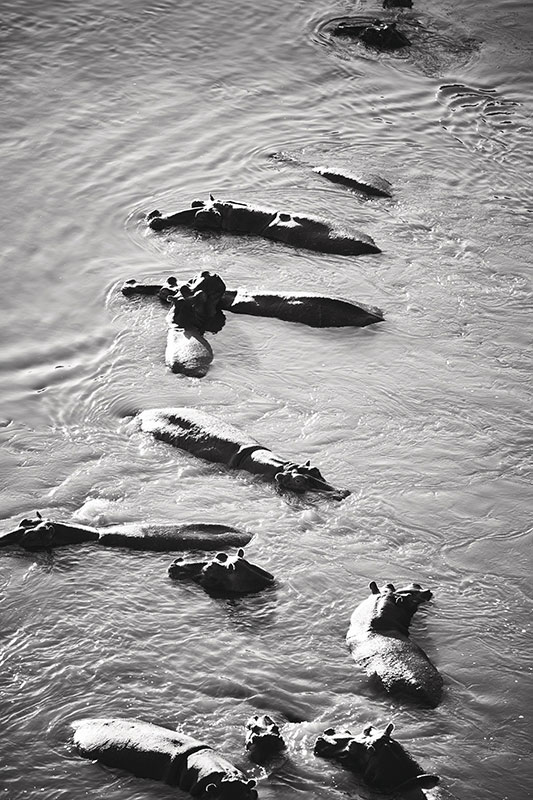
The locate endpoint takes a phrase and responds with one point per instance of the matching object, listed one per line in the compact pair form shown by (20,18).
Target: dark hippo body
(150,751)
(263,739)
(379,641)
(38,534)
(373,185)
(223,575)
(376,33)
(315,310)
(380,760)
(240,218)
(308,308)
(209,437)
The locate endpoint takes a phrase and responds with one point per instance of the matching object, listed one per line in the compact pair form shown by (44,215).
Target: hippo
(195,310)
(379,641)
(213,439)
(241,218)
(38,534)
(377,33)
(363,182)
(223,575)
(308,308)
(152,751)
(397,3)
(380,760)
(263,739)
(373,185)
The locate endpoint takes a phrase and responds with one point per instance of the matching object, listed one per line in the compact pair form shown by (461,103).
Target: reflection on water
(111,110)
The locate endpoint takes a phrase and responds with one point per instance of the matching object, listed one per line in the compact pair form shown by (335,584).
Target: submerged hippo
(308,308)
(39,534)
(380,760)
(263,739)
(298,231)
(151,751)
(209,437)
(379,641)
(223,575)
(377,33)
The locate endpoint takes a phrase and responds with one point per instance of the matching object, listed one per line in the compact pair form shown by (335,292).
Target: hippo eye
(329,732)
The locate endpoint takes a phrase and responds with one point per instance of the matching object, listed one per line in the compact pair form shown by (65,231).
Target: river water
(111,109)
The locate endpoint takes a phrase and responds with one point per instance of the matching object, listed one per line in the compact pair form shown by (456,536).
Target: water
(111,109)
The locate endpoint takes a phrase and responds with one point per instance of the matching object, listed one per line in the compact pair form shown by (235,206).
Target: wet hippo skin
(379,641)
(211,438)
(241,218)
(151,751)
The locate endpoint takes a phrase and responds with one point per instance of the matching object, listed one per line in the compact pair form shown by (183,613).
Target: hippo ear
(222,557)
(231,566)
(240,552)
(211,198)
(307,464)
(329,732)
(252,783)
(373,587)
(38,514)
(389,729)
(368,730)
(416,586)
(390,586)
(172,281)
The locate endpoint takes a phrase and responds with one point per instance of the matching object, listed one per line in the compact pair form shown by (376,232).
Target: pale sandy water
(110,109)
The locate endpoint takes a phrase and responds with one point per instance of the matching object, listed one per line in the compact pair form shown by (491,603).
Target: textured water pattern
(111,109)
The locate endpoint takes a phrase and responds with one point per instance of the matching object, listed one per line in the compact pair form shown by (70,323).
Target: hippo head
(208,216)
(39,536)
(301,478)
(333,744)
(263,738)
(234,575)
(231,789)
(384,762)
(395,607)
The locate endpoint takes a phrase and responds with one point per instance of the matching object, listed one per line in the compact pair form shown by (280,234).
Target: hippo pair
(152,751)
(241,218)
(313,309)
(208,437)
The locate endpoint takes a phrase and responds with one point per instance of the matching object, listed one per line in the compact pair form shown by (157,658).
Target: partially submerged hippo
(209,437)
(380,760)
(263,739)
(241,218)
(373,185)
(223,575)
(379,641)
(151,751)
(195,310)
(378,34)
(40,534)
(308,308)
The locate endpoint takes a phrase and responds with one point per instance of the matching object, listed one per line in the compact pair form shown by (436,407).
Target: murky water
(111,109)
